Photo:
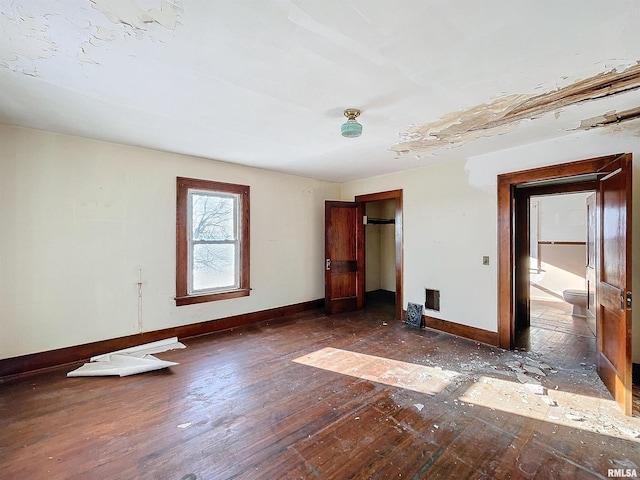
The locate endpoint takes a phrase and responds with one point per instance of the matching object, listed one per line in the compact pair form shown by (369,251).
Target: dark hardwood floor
(349,396)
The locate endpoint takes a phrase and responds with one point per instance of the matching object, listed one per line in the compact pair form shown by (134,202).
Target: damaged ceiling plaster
(30,38)
(231,81)
(504,114)
(129,12)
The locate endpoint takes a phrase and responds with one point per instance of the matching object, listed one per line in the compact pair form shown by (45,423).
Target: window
(212,241)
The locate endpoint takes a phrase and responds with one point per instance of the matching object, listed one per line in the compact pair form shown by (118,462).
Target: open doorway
(383,248)
(345,251)
(610,177)
(561,275)
(380,256)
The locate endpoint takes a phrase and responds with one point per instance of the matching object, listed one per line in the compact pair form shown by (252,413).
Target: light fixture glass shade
(351,129)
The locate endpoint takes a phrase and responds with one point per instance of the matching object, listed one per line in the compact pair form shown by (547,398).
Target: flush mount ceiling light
(351,128)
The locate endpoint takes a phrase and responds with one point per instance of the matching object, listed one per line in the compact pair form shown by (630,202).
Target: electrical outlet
(485,260)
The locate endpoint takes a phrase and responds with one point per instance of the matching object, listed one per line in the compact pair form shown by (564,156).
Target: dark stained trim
(183,185)
(465,331)
(10,367)
(399,241)
(508,183)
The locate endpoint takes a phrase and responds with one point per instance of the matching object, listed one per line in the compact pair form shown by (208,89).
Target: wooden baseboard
(10,367)
(465,331)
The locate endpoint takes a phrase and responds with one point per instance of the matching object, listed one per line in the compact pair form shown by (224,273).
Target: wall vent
(432,301)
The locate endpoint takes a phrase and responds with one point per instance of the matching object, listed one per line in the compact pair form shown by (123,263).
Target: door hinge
(327,264)
(628,300)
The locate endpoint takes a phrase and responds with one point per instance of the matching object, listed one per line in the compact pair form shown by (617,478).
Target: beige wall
(81,220)
(448,226)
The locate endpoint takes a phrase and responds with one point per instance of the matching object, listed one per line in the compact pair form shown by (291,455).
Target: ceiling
(264,83)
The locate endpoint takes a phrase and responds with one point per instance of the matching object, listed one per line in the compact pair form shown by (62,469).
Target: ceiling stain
(503,114)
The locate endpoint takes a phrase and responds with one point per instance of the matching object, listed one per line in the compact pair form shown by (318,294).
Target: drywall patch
(132,13)
(505,113)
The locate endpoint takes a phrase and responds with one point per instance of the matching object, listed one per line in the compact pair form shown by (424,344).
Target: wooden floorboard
(383,401)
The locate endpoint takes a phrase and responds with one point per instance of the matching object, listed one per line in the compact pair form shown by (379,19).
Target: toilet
(577,298)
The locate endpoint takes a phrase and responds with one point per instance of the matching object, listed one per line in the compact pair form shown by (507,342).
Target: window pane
(212,217)
(214,266)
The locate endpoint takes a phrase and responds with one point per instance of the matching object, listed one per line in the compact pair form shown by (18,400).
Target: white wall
(563,218)
(81,218)
(450,221)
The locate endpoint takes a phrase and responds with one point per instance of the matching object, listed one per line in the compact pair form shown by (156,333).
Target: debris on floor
(558,391)
(129,361)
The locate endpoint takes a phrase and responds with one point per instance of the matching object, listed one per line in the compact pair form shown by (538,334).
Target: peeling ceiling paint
(610,118)
(25,40)
(131,13)
(264,84)
(504,114)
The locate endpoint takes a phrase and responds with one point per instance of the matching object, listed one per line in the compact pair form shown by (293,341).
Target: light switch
(485,260)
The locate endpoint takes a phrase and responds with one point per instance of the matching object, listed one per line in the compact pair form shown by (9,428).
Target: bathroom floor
(556,316)
(564,340)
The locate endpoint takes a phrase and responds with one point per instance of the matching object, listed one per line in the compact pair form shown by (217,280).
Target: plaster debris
(184,425)
(419,406)
(574,416)
(522,378)
(537,389)
(624,463)
(628,432)
(130,361)
(533,370)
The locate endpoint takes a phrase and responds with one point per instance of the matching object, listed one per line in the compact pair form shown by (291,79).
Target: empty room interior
(319,240)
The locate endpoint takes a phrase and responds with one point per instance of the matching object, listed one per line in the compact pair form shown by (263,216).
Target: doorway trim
(507,251)
(397,196)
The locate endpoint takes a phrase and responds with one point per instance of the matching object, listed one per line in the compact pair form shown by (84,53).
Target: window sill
(212,297)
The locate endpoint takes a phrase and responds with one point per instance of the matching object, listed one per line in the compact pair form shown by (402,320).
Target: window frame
(184,187)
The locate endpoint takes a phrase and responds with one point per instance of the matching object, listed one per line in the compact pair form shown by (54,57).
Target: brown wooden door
(614,280)
(344,256)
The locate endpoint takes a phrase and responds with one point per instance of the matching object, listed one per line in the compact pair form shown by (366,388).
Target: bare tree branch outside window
(212,241)
(214,236)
